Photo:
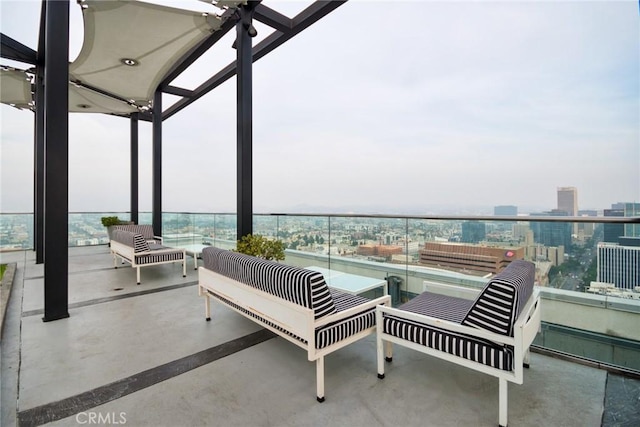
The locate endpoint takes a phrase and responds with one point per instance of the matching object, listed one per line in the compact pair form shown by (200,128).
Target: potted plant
(261,247)
(110,222)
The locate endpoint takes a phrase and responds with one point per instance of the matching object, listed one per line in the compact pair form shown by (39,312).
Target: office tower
(613,232)
(632,209)
(619,265)
(473,231)
(568,200)
(551,233)
(507,210)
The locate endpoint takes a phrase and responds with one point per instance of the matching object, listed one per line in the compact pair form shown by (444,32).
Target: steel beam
(39,164)
(39,149)
(244,97)
(302,21)
(56,125)
(134,167)
(157,164)
(13,49)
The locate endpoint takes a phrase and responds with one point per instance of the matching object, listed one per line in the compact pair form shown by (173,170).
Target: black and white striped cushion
(154,256)
(337,331)
(481,351)
(502,299)
(134,240)
(303,287)
(145,229)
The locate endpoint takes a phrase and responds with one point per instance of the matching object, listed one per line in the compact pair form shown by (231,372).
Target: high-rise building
(473,232)
(613,232)
(507,210)
(619,265)
(551,233)
(568,200)
(632,209)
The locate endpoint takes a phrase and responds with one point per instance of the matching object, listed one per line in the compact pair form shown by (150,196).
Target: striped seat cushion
(297,285)
(460,345)
(333,332)
(155,256)
(145,229)
(451,309)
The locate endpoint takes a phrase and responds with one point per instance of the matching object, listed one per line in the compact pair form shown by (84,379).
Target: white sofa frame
(526,326)
(291,317)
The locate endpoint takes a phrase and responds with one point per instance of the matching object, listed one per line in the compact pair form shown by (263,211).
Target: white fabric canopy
(15,88)
(129,46)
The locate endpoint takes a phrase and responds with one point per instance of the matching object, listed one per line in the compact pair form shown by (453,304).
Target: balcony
(145,356)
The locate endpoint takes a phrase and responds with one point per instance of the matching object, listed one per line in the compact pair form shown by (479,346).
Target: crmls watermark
(107,418)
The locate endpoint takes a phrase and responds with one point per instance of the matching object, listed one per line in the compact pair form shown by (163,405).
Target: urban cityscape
(580,256)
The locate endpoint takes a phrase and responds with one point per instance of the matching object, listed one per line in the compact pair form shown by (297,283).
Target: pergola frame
(51,132)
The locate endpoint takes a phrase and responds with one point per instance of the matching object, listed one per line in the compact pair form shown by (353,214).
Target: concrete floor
(144,356)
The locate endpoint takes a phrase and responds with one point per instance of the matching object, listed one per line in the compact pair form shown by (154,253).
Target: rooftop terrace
(144,356)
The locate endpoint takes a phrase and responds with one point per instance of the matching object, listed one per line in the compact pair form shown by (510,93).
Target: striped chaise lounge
(136,250)
(292,302)
(490,334)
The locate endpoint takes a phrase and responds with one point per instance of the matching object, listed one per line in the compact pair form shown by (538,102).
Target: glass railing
(586,268)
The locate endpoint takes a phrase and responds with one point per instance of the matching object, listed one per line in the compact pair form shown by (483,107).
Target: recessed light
(130,62)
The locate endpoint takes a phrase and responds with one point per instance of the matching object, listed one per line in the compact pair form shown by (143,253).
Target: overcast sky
(386,107)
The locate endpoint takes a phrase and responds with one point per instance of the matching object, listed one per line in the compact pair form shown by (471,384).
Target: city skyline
(494,104)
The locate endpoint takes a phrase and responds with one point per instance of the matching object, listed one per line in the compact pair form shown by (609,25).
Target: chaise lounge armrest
(384,300)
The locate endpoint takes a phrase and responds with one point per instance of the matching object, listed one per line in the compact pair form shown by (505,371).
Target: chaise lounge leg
(389,351)
(138,275)
(503,403)
(207,307)
(380,351)
(184,266)
(320,379)
(527,358)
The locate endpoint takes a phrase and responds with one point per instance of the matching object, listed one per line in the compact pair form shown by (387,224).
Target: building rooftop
(145,356)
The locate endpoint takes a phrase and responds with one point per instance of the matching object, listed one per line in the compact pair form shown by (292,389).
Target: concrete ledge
(5,291)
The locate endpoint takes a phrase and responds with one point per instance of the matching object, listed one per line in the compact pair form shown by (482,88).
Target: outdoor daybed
(135,249)
(292,302)
(491,334)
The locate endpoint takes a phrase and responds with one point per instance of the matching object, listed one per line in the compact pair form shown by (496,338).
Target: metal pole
(134,168)
(244,32)
(38,152)
(157,163)
(38,178)
(56,125)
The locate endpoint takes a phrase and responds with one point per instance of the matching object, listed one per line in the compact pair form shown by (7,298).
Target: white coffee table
(195,251)
(350,283)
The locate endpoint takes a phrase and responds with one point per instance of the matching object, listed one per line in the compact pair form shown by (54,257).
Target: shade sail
(129,46)
(15,88)
(83,100)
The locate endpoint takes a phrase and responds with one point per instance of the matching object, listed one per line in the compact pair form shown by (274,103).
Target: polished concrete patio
(144,356)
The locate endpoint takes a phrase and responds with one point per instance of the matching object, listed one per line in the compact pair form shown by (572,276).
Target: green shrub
(110,220)
(261,247)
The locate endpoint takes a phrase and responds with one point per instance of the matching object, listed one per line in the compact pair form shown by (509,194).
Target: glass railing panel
(224,232)
(306,240)
(16,231)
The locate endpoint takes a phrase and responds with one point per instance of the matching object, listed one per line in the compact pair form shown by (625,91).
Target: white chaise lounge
(135,249)
(292,302)
(491,334)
